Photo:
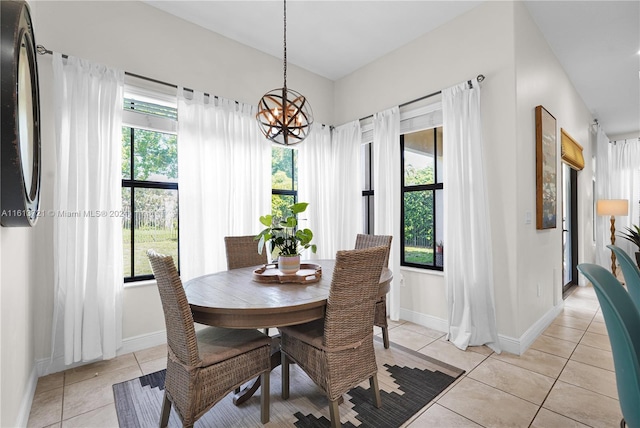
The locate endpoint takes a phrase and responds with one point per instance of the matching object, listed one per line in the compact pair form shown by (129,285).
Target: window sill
(144,283)
(422,271)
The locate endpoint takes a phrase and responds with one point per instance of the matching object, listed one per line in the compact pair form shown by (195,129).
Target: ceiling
(597,42)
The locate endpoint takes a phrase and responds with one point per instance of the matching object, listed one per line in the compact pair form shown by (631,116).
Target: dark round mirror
(20,145)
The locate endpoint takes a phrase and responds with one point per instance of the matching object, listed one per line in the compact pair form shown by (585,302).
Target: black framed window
(422,199)
(149,186)
(284,180)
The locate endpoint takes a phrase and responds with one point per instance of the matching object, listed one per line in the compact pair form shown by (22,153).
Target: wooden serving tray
(308,273)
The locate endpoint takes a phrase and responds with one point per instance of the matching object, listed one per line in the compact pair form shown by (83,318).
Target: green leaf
(299,207)
(266,220)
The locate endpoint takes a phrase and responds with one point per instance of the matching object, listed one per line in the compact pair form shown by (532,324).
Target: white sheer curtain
(617,177)
(315,186)
(224,166)
(468,260)
(347,188)
(87,245)
(386,185)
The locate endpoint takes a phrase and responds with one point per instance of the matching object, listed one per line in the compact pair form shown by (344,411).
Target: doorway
(569,228)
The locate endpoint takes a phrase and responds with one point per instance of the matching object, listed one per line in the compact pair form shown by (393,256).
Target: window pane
(283,171)
(126,152)
(155,156)
(419,233)
(156,226)
(419,151)
(126,231)
(280,205)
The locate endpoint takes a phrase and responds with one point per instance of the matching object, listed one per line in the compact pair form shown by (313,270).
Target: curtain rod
(44,51)
(480,78)
(614,142)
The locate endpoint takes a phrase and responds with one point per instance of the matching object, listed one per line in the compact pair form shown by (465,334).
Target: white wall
(542,81)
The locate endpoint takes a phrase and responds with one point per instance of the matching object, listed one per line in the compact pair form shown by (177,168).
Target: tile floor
(565,379)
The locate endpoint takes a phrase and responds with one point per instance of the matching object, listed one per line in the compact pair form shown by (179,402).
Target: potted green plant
(633,235)
(286,242)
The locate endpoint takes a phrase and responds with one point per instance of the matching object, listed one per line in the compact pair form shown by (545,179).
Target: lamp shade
(612,207)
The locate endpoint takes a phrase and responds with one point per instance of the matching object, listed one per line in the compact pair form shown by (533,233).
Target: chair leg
(265,398)
(373,385)
(285,376)
(334,411)
(166,409)
(385,336)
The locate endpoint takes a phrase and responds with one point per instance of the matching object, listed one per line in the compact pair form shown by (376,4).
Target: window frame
(135,120)
(433,187)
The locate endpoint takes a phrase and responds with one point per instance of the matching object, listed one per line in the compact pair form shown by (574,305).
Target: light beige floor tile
(160,351)
(583,302)
(553,345)
(153,365)
(599,317)
(102,417)
(593,356)
(99,368)
(578,312)
(597,328)
(409,338)
(81,397)
(594,340)
(573,322)
(564,333)
(536,361)
(52,381)
(480,403)
(582,405)
(46,408)
(548,419)
(515,380)
(446,351)
(589,377)
(423,330)
(438,416)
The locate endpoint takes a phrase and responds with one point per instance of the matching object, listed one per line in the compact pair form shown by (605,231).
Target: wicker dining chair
(366,241)
(337,351)
(242,251)
(203,367)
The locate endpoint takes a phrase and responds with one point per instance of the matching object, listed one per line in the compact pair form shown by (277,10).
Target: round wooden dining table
(238,298)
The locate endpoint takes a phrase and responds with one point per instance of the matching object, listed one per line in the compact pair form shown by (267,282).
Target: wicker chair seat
(217,344)
(333,371)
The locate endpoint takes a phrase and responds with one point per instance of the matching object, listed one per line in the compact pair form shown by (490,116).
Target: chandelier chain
(285,44)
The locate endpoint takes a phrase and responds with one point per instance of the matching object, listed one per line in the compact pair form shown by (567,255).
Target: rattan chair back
(367,241)
(242,251)
(181,335)
(351,301)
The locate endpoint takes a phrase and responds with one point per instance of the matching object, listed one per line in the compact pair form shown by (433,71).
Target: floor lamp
(613,207)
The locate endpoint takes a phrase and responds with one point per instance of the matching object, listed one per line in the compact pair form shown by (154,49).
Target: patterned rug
(408,381)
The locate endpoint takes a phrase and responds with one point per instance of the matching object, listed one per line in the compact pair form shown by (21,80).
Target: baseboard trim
(508,344)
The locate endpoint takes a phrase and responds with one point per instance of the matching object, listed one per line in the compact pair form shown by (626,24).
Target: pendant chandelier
(284,115)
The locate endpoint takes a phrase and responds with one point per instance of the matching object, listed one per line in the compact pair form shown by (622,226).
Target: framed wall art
(546,160)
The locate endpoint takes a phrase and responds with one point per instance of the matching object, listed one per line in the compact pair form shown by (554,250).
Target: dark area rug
(408,382)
